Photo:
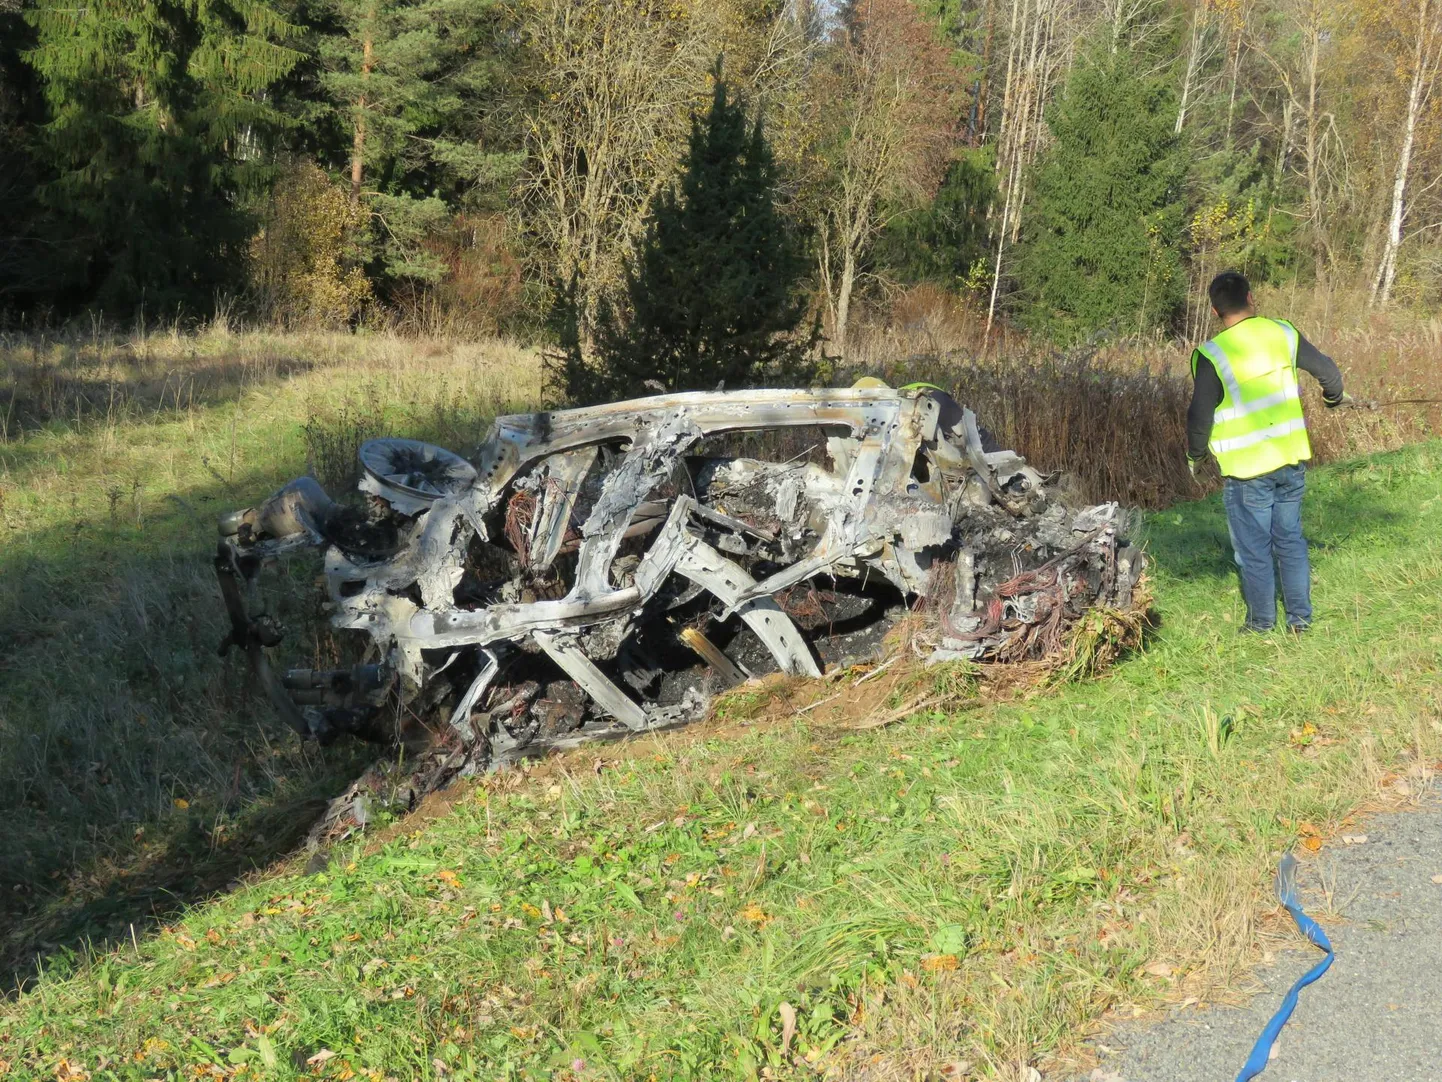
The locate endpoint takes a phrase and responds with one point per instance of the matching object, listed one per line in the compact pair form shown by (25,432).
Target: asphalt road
(1376,1016)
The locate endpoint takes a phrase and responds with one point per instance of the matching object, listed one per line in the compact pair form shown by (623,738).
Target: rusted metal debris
(594,572)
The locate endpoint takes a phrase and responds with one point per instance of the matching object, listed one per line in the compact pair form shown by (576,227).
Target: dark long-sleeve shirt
(1207,391)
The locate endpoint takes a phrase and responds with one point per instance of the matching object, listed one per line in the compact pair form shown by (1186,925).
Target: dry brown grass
(74,378)
(1114,417)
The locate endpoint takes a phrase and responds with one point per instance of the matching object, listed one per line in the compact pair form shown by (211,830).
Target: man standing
(1247,409)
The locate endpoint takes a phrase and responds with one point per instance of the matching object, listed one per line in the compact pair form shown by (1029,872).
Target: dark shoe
(1298,629)
(1250,629)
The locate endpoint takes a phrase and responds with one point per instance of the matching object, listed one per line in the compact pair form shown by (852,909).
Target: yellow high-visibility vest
(1259,425)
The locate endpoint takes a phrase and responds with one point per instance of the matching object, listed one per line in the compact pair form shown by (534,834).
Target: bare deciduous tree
(886,117)
(612,86)
(1204,42)
(1031,72)
(1311,24)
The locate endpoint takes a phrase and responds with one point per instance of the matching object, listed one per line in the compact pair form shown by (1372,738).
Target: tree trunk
(1028,109)
(1284,148)
(1194,52)
(358,139)
(1024,108)
(843,300)
(1232,98)
(1008,87)
(996,273)
(1314,199)
(1422,62)
(983,95)
(1040,88)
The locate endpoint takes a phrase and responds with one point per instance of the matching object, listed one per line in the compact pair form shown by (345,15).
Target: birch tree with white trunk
(1301,71)
(1417,23)
(1204,42)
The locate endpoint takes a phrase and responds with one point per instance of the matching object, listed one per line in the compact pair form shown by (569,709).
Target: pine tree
(944,240)
(158,124)
(1101,250)
(406,82)
(712,297)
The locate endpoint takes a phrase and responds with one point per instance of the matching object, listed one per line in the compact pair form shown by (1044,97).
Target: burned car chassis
(532,595)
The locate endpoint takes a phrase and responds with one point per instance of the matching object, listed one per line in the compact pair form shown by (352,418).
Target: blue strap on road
(1287,895)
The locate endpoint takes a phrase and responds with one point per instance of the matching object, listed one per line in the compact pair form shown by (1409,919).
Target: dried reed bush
(482,292)
(1118,432)
(1113,417)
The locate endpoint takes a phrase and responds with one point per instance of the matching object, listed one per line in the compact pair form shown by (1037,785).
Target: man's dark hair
(1229,292)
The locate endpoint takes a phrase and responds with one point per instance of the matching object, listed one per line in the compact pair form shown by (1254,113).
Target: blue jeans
(1264,516)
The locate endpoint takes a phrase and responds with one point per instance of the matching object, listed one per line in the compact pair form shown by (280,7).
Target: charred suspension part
(600,571)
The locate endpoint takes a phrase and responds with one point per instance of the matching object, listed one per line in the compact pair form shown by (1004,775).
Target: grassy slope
(114,709)
(976,887)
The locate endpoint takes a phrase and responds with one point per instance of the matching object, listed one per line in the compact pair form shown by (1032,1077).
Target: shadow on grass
(139,773)
(121,900)
(77,398)
(1191,541)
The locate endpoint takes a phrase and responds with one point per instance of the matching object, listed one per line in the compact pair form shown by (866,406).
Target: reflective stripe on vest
(1276,398)
(1251,439)
(1258,426)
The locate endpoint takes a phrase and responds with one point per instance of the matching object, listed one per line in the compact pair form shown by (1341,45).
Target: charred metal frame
(900,484)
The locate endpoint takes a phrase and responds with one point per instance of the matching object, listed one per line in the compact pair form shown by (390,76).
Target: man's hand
(1346,401)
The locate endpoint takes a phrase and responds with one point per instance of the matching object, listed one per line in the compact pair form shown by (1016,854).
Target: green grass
(975,888)
(115,458)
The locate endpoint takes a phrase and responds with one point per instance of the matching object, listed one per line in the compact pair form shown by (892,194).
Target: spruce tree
(943,241)
(405,85)
(712,297)
(158,126)
(1102,232)
(31,263)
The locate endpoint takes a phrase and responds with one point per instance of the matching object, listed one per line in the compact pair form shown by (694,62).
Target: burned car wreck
(592,572)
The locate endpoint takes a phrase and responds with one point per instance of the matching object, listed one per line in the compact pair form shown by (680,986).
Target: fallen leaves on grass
(754,914)
(788,1025)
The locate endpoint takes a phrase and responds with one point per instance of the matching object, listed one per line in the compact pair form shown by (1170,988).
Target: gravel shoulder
(1376,1016)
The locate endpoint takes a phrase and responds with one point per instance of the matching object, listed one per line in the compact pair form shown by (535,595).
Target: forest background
(1075,168)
